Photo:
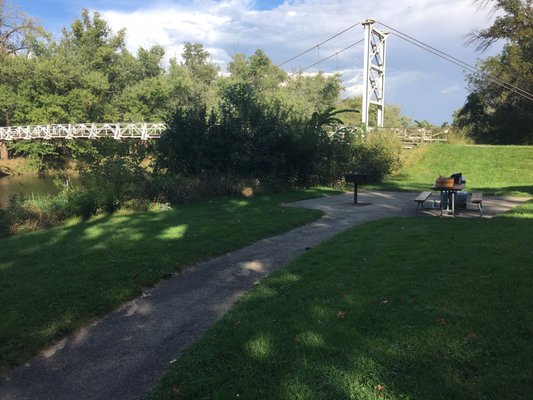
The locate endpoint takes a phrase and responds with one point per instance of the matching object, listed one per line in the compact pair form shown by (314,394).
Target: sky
(423,85)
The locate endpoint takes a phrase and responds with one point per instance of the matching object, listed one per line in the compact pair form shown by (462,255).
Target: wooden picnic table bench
(477,198)
(422,197)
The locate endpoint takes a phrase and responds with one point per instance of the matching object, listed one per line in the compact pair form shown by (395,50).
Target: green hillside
(498,170)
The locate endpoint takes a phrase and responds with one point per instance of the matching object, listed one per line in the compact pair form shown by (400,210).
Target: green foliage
(492,113)
(380,155)
(393,117)
(256,123)
(255,136)
(88,75)
(85,204)
(257,70)
(39,153)
(458,136)
(111,171)
(29,213)
(195,60)
(307,94)
(180,189)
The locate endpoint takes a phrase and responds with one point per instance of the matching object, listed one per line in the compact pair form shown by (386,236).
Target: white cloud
(451,89)
(230,26)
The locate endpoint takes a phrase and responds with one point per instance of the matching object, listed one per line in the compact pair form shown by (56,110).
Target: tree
(196,60)
(18,32)
(202,73)
(499,108)
(150,61)
(394,118)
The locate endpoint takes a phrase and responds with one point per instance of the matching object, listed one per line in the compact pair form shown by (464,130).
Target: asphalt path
(123,355)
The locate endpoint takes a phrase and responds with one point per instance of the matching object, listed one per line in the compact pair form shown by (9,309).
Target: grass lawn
(498,170)
(404,308)
(54,281)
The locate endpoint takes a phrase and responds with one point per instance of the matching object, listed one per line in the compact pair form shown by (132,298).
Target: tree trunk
(4,155)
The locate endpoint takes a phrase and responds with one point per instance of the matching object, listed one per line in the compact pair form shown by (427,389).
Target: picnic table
(446,194)
(447,199)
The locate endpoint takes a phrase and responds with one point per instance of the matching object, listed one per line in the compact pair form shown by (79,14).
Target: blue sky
(424,86)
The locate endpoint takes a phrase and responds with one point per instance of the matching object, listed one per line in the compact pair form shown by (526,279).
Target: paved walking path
(124,354)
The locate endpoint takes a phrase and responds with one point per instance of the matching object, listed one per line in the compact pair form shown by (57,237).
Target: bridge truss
(373,72)
(117,131)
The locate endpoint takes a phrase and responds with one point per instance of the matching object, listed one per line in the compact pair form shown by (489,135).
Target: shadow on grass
(512,191)
(54,281)
(397,185)
(406,313)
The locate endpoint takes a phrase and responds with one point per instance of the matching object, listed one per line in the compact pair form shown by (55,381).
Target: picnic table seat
(477,199)
(421,198)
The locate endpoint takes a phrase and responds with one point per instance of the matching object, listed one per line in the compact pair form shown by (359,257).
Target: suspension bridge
(117,131)
(373,91)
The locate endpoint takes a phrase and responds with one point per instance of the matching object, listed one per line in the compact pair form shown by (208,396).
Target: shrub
(252,136)
(84,203)
(26,214)
(177,189)
(137,205)
(380,155)
(459,136)
(112,172)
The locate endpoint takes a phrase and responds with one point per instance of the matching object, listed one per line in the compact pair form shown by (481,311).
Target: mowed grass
(495,170)
(403,308)
(54,281)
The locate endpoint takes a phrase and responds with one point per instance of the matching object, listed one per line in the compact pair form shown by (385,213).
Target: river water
(25,184)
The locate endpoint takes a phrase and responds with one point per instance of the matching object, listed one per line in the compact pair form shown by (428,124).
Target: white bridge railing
(141,130)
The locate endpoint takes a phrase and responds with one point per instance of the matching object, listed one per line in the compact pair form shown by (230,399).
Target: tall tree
(496,113)
(196,60)
(18,32)
(203,73)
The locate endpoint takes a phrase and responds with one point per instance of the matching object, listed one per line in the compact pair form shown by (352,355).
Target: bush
(112,173)
(178,189)
(459,136)
(26,214)
(252,136)
(137,205)
(380,155)
(84,203)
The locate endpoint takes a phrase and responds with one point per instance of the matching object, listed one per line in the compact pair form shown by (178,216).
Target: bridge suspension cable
(424,46)
(515,89)
(320,44)
(331,56)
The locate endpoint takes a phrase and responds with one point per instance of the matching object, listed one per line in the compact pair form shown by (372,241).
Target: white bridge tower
(373,72)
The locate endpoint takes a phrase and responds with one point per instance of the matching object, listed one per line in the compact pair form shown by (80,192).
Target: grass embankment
(15,166)
(54,281)
(404,308)
(495,170)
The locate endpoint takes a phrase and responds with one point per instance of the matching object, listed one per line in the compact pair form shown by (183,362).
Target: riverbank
(15,166)
(23,166)
(17,175)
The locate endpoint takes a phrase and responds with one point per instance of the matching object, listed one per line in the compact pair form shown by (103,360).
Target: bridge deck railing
(142,130)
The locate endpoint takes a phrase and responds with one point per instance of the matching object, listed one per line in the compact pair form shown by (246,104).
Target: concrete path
(124,354)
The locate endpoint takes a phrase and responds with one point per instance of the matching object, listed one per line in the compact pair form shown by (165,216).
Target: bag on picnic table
(458,178)
(444,183)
